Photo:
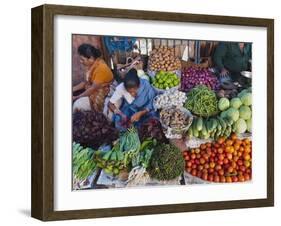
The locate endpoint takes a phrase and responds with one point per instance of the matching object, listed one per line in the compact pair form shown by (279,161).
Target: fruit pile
(165,80)
(224,160)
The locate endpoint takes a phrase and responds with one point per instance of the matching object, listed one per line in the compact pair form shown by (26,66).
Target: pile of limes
(165,80)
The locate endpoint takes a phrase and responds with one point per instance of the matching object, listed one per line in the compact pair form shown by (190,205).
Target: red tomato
(202,161)
(216,179)
(234,179)
(228,179)
(193,172)
(204,176)
(210,177)
(222,179)
(221,172)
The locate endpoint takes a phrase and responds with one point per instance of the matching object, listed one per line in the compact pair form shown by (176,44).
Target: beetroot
(92,129)
(152,129)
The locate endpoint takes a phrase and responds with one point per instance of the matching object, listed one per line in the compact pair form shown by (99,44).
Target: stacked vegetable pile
(166,162)
(111,161)
(192,77)
(152,129)
(83,164)
(225,160)
(213,127)
(202,101)
(165,80)
(163,58)
(170,98)
(239,110)
(91,129)
(175,121)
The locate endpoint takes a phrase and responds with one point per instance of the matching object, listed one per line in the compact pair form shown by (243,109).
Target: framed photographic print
(141,112)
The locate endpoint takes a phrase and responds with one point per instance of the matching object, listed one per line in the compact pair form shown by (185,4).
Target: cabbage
(244,91)
(249,125)
(235,103)
(233,114)
(245,112)
(223,114)
(240,126)
(223,104)
(246,99)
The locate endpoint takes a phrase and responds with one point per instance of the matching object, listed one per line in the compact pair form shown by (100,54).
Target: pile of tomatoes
(225,160)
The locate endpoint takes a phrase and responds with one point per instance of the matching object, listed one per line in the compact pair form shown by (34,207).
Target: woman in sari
(132,101)
(97,81)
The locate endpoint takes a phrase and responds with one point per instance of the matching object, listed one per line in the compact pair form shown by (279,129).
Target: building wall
(77,40)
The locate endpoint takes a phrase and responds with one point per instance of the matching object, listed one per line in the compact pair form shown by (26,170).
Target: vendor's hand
(136,117)
(224,72)
(117,111)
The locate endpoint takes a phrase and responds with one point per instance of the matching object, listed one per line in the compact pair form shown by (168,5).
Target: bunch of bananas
(112,161)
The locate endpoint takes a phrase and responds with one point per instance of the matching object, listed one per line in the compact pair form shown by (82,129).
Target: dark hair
(88,51)
(131,79)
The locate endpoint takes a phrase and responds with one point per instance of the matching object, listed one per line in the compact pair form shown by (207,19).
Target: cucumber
(208,126)
(194,129)
(219,127)
(199,124)
(207,136)
(228,120)
(222,122)
(204,130)
(214,123)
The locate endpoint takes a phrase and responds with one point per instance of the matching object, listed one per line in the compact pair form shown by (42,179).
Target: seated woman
(132,101)
(97,81)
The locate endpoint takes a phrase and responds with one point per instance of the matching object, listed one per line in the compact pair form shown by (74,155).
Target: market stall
(202,133)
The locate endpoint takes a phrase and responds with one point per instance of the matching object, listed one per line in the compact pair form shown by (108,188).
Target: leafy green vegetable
(249,125)
(245,112)
(223,104)
(246,99)
(82,160)
(232,113)
(240,126)
(235,102)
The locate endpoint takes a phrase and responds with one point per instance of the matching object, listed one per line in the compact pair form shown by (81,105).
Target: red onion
(192,77)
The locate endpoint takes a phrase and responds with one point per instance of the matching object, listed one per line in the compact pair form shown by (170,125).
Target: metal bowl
(247,74)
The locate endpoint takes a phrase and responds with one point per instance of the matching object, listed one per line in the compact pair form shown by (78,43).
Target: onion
(192,77)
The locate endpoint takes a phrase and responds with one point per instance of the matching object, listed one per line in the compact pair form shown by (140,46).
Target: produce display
(130,145)
(163,58)
(212,127)
(111,161)
(193,77)
(152,129)
(201,128)
(202,101)
(165,80)
(224,160)
(238,109)
(170,98)
(83,164)
(91,129)
(166,162)
(175,118)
